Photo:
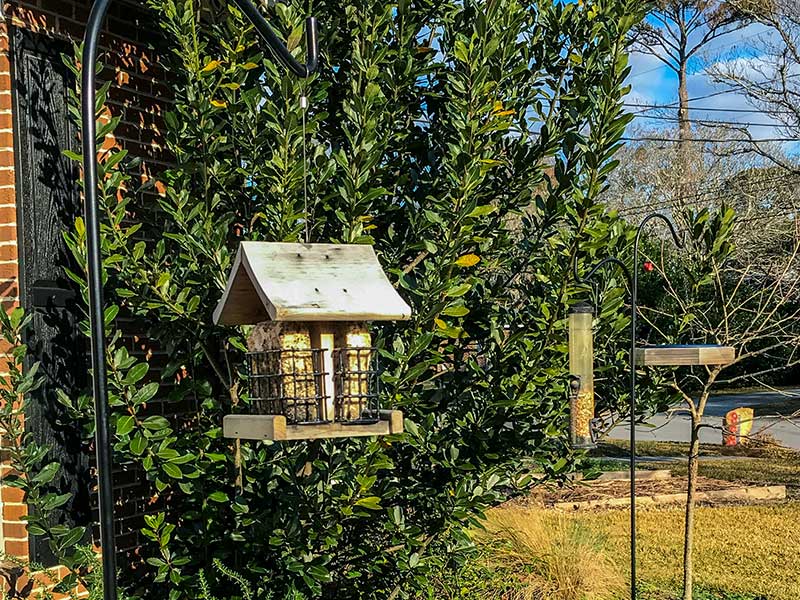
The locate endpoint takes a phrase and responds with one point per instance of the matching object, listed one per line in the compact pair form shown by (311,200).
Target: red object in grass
(648,266)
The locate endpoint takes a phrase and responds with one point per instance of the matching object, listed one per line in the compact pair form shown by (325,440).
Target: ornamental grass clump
(556,557)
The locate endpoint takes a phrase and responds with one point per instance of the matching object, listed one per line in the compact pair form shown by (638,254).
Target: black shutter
(48,201)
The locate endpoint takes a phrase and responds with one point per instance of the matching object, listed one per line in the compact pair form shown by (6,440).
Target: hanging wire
(303,108)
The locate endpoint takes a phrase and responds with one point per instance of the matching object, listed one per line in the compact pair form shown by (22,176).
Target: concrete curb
(770,492)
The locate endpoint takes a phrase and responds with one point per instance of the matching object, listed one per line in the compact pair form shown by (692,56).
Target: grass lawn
(617,448)
(768,465)
(749,550)
(741,553)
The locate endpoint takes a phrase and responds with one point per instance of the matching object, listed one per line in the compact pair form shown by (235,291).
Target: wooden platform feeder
(313,370)
(678,356)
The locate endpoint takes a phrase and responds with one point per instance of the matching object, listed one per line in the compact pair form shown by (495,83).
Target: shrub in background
(468,142)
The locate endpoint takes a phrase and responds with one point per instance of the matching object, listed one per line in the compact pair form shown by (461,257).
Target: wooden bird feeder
(678,356)
(313,370)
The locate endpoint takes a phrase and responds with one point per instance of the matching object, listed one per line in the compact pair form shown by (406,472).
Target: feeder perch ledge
(274,427)
(678,356)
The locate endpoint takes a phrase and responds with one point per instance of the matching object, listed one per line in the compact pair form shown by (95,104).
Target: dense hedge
(468,142)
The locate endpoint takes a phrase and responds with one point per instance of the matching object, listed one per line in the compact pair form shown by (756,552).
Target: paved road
(674,426)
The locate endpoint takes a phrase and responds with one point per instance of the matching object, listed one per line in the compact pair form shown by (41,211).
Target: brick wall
(8,201)
(138,98)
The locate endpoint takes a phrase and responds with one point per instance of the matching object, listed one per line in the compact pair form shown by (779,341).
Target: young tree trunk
(684,123)
(688,537)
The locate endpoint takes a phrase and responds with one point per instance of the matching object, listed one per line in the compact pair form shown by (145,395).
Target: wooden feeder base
(685,355)
(274,427)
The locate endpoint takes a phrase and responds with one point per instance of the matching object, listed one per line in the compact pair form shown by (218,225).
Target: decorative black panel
(48,201)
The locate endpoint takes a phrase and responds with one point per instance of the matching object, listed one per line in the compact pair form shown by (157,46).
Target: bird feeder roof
(308,282)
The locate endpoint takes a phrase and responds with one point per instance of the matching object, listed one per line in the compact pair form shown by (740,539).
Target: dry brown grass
(752,550)
(561,559)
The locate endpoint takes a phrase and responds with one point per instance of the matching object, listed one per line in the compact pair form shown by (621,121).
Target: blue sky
(654,83)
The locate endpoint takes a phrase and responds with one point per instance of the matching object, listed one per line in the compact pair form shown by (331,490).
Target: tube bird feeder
(581,369)
(312,367)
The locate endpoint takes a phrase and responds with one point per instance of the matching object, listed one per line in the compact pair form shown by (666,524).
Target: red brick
(8,252)
(11,495)
(8,196)
(6,157)
(15,548)
(35,20)
(14,512)
(15,530)
(9,289)
(7,140)
(6,470)
(9,270)
(7,232)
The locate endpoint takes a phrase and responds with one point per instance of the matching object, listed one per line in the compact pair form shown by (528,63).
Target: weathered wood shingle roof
(308,282)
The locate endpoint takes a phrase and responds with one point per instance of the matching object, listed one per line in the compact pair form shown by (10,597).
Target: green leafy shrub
(468,142)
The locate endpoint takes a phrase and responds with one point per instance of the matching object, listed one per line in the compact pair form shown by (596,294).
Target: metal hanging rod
(632,275)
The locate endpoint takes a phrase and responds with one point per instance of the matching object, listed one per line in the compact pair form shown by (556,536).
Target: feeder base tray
(274,427)
(685,355)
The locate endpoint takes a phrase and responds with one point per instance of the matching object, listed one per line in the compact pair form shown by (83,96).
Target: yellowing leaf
(231,86)
(210,66)
(468,260)
(440,324)
(219,103)
(497,110)
(459,290)
(456,311)
(370,503)
(249,65)
(294,39)
(480,211)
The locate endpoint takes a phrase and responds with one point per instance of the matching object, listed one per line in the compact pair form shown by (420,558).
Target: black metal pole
(94,252)
(634,313)
(94,261)
(632,416)
(633,281)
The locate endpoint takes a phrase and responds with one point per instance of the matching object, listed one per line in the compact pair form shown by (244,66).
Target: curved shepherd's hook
(609,260)
(633,282)
(94,254)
